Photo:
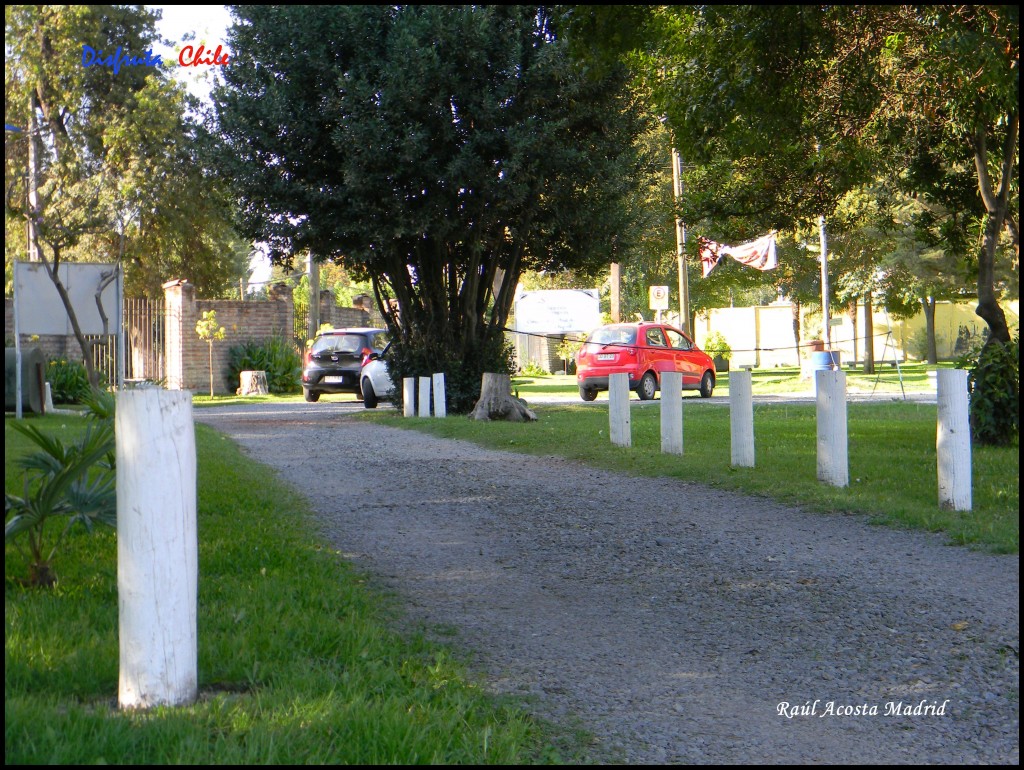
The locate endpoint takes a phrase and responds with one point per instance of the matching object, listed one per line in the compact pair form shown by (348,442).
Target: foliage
(120,170)
(69,381)
(439,151)
(534,370)
(73,480)
(208,331)
(274,355)
(716,346)
(994,384)
(569,347)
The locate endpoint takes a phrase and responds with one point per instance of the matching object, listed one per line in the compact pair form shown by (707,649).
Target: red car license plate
(606,357)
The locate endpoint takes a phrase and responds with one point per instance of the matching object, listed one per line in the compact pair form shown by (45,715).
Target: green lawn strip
(909,378)
(892,457)
(298,662)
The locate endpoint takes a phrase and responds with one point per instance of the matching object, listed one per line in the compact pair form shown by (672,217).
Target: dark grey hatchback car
(333,360)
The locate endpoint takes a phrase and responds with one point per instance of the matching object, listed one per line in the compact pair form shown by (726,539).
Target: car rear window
(622,335)
(339,343)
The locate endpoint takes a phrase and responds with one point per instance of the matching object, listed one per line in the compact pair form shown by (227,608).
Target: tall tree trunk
(869,333)
(997,209)
(62,292)
(928,306)
(795,307)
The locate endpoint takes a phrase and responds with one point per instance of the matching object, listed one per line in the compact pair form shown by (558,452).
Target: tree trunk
(869,334)
(996,202)
(497,402)
(62,292)
(928,305)
(796,328)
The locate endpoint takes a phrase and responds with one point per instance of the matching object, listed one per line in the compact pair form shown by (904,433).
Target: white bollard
(157,548)
(741,418)
(672,413)
(833,464)
(409,397)
(440,409)
(618,409)
(953,440)
(424,397)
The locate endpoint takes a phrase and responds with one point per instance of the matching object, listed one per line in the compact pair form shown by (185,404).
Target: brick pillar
(180,319)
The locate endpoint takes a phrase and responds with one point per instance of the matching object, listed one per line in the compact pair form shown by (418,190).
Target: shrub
(534,370)
(716,346)
(994,386)
(274,355)
(463,370)
(69,381)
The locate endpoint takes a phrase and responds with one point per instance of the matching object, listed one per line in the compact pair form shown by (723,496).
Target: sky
(209,24)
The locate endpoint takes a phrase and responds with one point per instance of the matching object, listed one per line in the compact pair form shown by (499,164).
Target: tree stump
(252,383)
(497,402)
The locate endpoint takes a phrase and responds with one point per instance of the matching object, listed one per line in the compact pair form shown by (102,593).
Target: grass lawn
(909,378)
(298,662)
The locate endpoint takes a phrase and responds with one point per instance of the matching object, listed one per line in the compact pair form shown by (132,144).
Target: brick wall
(188,356)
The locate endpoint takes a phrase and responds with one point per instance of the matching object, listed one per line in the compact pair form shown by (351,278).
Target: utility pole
(33,180)
(314,297)
(684,286)
(824,283)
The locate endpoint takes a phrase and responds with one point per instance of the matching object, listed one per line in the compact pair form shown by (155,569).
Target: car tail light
(366,353)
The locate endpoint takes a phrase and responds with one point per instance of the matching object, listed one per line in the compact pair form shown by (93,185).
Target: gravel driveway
(679,624)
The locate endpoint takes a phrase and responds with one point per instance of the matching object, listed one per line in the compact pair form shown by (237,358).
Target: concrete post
(440,408)
(953,440)
(833,464)
(672,413)
(741,418)
(409,397)
(618,409)
(157,548)
(424,397)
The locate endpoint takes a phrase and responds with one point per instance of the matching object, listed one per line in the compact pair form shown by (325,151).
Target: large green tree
(439,151)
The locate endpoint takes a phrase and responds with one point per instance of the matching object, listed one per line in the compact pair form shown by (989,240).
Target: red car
(643,351)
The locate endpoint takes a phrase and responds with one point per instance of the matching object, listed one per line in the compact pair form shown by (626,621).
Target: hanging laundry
(759,254)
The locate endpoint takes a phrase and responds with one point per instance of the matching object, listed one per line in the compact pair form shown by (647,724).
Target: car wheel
(707,385)
(311,395)
(370,399)
(588,394)
(648,386)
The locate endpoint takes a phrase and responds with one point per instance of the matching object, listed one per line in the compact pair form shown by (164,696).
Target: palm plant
(75,481)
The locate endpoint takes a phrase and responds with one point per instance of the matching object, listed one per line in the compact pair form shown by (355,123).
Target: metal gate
(144,333)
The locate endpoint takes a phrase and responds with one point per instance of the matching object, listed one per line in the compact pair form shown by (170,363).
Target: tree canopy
(118,165)
(439,151)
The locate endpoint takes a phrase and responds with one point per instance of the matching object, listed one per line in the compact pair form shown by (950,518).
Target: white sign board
(659,297)
(558,311)
(39,307)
